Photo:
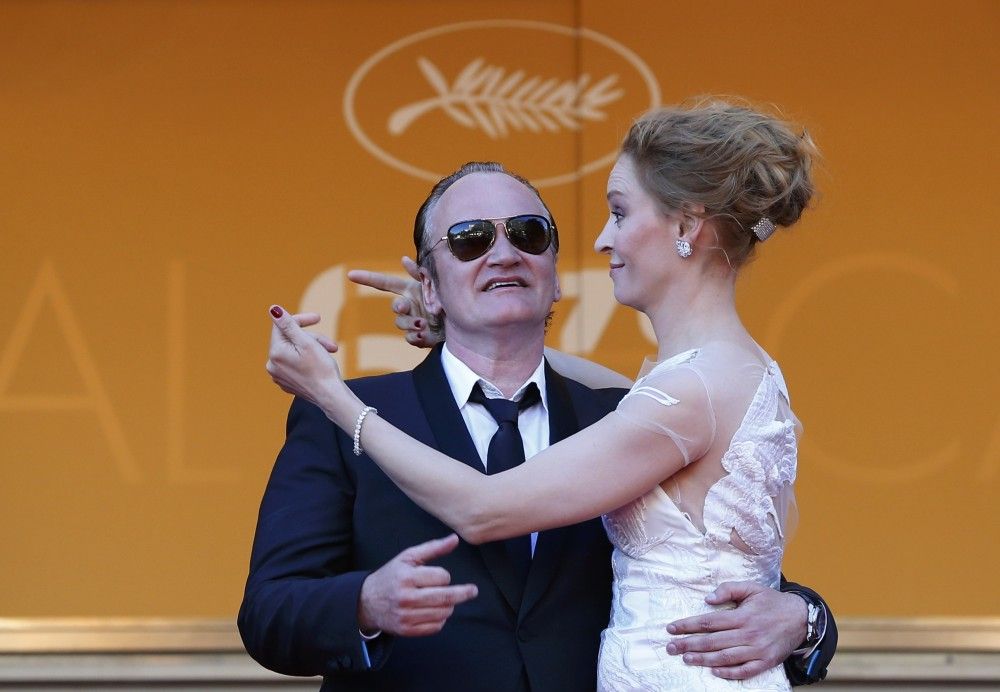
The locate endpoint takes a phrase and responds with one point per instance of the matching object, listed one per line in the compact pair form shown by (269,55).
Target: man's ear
(429,292)
(557,293)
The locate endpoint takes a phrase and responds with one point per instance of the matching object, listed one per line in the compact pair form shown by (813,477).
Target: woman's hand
(298,361)
(412,317)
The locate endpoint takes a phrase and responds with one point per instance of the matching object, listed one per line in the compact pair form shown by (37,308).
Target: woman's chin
(625,297)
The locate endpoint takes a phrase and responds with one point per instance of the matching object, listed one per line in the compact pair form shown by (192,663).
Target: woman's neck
(689,316)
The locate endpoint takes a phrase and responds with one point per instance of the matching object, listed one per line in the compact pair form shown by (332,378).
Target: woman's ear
(692,219)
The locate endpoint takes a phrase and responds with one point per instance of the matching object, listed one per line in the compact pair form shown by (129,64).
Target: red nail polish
(276,312)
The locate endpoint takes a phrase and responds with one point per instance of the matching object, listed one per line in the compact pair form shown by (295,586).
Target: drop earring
(684,248)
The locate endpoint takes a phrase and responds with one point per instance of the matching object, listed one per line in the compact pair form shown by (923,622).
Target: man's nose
(503,251)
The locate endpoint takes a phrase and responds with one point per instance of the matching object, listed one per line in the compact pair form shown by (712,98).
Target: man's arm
(305,603)
(765,628)
(811,666)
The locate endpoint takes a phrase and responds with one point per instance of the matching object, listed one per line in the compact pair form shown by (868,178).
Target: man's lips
(504,282)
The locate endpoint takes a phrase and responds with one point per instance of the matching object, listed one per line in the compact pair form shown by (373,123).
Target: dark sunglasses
(529,233)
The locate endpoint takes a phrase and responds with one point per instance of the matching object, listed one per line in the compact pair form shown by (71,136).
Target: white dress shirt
(532,422)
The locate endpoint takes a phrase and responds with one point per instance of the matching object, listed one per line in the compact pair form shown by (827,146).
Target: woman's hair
(740,164)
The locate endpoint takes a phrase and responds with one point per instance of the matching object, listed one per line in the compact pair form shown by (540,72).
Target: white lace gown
(721,518)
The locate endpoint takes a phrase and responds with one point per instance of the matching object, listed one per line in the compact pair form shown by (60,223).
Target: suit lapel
(434,393)
(551,544)
(453,439)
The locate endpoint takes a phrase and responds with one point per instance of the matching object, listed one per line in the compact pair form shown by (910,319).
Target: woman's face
(638,238)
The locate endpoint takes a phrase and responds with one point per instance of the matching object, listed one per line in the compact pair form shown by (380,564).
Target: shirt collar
(462,379)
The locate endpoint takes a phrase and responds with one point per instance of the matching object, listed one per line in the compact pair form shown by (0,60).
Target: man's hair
(421,233)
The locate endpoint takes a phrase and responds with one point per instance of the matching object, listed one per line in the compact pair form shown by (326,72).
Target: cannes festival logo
(487,97)
(511,90)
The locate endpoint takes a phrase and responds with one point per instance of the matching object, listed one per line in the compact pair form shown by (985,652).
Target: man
(339,583)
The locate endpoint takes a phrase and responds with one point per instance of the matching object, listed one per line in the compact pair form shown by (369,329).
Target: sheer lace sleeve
(674,402)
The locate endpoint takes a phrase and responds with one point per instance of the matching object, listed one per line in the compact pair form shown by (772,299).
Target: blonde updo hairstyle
(740,164)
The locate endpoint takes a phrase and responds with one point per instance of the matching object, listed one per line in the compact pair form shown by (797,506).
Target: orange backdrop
(169,169)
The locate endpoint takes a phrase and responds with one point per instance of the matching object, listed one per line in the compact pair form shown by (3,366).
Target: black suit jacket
(328,519)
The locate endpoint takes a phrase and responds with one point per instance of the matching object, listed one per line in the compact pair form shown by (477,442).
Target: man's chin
(513,318)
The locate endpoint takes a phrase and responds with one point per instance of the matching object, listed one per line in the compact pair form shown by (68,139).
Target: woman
(693,471)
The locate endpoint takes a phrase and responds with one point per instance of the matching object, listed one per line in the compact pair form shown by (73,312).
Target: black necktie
(506,451)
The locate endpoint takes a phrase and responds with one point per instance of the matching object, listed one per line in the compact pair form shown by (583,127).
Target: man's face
(505,287)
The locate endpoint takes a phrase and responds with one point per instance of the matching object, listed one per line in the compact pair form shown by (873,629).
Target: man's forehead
(486,196)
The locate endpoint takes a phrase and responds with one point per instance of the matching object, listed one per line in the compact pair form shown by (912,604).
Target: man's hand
(412,317)
(409,598)
(764,629)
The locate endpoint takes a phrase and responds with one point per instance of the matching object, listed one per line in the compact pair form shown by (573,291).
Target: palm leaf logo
(485,97)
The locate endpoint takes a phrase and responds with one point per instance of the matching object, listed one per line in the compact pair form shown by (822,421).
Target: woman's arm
(599,469)
(584,371)
(588,474)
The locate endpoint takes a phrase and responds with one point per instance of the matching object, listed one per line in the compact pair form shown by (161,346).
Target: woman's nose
(605,240)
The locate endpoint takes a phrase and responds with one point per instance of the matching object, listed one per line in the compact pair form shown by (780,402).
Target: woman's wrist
(340,404)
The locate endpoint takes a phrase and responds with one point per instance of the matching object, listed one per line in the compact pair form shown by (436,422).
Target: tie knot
(505,410)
